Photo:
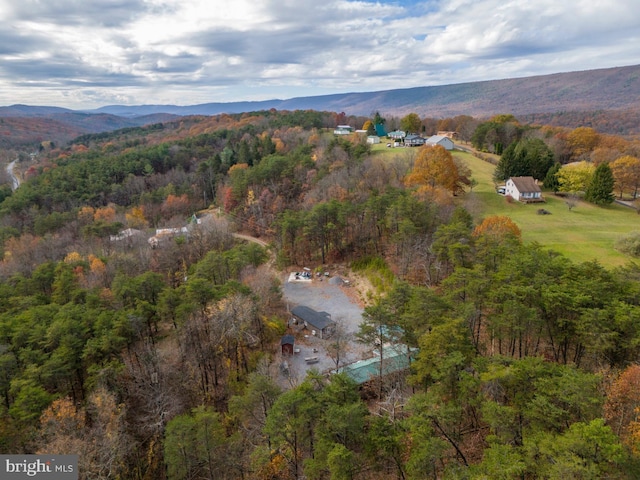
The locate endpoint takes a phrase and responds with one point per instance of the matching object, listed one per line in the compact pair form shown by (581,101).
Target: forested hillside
(160,360)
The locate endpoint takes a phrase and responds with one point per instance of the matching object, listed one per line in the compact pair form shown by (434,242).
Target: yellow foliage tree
(135,218)
(575,177)
(73,257)
(85,215)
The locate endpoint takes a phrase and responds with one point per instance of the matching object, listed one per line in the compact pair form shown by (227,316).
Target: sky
(84,54)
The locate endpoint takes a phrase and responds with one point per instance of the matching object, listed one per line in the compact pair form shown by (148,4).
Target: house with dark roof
(414,140)
(524,189)
(318,322)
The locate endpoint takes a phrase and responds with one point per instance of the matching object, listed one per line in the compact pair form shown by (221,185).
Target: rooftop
(395,358)
(526,184)
(319,320)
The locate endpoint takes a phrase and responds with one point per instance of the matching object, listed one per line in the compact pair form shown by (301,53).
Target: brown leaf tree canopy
(435,167)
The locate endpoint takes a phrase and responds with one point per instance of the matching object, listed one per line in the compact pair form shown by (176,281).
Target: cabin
(286,344)
(524,189)
(441,140)
(319,323)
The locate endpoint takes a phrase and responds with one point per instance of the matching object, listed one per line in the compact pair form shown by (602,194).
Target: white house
(441,140)
(373,139)
(397,135)
(343,130)
(523,189)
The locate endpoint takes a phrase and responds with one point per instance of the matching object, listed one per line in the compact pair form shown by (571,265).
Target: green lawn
(584,233)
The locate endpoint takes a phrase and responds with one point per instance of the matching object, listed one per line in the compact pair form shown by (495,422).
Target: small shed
(441,140)
(286,343)
(373,139)
(524,189)
(320,322)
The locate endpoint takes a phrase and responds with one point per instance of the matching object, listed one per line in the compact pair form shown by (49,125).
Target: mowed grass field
(585,233)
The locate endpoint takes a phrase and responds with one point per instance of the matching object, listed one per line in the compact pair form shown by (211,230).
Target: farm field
(585,233)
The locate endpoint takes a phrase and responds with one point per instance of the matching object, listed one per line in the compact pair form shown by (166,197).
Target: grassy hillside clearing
(585,233)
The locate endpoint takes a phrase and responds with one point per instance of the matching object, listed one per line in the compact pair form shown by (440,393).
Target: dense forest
(155,361)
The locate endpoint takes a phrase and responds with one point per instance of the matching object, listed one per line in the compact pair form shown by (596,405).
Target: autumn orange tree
(435,167)
(621,409)
(626,172)
(497,226)
(582,141)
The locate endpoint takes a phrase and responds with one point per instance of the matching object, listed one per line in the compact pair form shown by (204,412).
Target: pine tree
(551,180)
(600,189)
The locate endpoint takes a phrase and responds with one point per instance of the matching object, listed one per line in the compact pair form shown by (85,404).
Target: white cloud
(82,54)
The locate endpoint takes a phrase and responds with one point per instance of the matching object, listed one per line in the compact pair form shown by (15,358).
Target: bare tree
(339,342)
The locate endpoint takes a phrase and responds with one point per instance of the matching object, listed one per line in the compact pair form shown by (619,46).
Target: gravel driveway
(323,294)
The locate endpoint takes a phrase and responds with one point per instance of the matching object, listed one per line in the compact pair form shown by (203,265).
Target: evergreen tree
(551,180)
(529,157)
(600,189)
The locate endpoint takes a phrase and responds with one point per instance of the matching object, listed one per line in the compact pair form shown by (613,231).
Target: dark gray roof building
(319,321)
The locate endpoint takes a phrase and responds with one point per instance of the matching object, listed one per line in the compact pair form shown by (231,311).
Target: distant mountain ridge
(602,89)
(609,89)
